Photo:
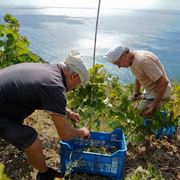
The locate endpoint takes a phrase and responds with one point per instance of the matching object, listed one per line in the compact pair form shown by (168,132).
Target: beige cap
(76,64)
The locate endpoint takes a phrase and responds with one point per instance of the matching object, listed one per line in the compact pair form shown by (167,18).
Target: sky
(128,4)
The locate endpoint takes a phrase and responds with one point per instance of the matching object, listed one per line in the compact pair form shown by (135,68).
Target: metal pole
(97,19)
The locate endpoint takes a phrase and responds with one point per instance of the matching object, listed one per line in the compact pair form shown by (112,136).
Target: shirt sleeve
(53,99)
(151,70)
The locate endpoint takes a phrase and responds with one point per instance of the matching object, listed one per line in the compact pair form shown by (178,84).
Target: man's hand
(74,116)
(149,110)
(136,96)
(85,132)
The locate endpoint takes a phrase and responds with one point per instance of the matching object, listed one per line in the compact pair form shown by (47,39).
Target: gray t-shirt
(26,87)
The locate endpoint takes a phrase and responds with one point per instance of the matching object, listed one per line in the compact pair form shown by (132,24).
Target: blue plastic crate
(111,165)
(165,131)
(168,131)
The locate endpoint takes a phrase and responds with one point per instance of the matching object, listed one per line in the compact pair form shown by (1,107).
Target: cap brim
(106,59)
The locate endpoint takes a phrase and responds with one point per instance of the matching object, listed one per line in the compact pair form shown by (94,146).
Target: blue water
(53,31)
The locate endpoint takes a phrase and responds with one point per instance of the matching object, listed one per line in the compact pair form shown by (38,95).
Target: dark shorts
(15,133)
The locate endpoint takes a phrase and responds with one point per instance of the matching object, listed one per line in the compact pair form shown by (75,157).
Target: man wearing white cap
(149,73)
(29,86)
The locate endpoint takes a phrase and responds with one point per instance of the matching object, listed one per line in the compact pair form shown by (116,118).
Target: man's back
(23,87)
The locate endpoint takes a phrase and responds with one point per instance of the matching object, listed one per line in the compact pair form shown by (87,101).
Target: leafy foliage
(176,101)
(144,174)
(14,48)
(2,175)
(105,104)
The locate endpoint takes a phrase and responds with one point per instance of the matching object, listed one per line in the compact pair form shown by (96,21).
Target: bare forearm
(161,88)
(65,130)
(72,133)
(137,86)
(69,132)
(162,85)
(68,111)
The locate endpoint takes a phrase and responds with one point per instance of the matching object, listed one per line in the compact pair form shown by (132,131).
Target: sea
(52,32)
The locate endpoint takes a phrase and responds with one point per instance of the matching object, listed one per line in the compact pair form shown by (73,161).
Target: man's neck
(131,59)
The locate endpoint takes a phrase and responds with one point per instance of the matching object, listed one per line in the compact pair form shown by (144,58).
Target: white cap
(114,53)
(76,64)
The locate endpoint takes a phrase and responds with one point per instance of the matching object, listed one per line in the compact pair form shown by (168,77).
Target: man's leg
(25,138)
(146,99)
(35,156)
(143,104)
(37,160)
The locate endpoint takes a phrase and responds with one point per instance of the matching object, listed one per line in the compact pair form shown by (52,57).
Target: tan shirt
(147,69)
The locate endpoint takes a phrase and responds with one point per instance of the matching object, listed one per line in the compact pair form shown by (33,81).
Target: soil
(164,154)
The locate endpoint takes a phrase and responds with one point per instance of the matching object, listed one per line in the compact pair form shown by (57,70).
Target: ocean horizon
(52,32)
